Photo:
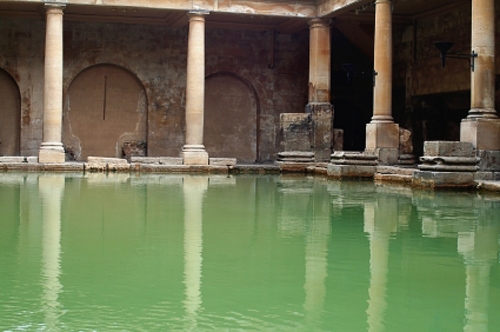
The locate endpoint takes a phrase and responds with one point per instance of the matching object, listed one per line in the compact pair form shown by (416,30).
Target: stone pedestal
(352,164)
(446,164)
(51,153)
(322,130)
(483,133)
(194,155)
(382,139)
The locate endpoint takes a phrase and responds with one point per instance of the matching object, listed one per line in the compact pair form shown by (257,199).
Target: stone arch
(105,114)
(10,113)
(231,118)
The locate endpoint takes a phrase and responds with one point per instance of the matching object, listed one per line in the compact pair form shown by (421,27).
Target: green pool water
(120,252)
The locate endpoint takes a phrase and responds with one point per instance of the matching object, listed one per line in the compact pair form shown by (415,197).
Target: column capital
(198,14)
(319,23)
(55,7)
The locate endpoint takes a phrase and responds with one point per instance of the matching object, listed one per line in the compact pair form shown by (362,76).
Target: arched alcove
(105,114)
(10,113)
(231,118)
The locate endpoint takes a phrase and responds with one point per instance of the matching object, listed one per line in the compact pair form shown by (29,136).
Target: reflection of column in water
(194,188)
(51,189)
(479,249)
(316,268)
(379,221)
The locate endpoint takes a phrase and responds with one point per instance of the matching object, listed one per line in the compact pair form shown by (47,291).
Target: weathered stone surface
(12,159)
(353,158)
(156,160)
(350,171)
(382,135)
(387,156)
(51,156)
(103,160)
(32,159)
(338,139)
(489,160)
(295,132)
(322,130)
(222,161)
(407,159)
(405,141)
(448,149)
(443,179)
(295,157)
(133,149)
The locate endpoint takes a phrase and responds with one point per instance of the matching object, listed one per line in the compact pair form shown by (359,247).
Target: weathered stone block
(448,149)
(338,139)
(295,131)
(103,160)
(405,141)
(322,130)
(483,134)
(32,159)
(222,161)
(10,159)
(195,158)
(489,160)
(382,135)
(51,156)
(350,171)
(443,179)
(353,158)
(387,156)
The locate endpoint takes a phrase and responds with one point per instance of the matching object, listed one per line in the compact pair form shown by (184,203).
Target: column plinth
(194,152)
(51,149)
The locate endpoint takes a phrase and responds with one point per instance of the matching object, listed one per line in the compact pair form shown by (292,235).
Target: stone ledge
(396,170)
(156,160)
(350,171)
(439,179)
(222,161)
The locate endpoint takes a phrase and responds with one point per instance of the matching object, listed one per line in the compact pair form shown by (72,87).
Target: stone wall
(272,67)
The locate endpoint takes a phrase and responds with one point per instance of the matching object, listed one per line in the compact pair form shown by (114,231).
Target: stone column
(382,134)
(319,89)
(51,150)
(194,152)
(482,126)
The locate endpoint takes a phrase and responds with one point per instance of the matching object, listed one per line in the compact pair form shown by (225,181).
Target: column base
(194,155)
(51,153)
(382,139)
(483,133)
(382,135)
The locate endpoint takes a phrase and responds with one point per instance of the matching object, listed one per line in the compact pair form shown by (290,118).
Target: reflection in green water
(262,253)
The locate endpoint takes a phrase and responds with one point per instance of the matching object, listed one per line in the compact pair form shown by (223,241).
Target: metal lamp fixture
(445,46)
